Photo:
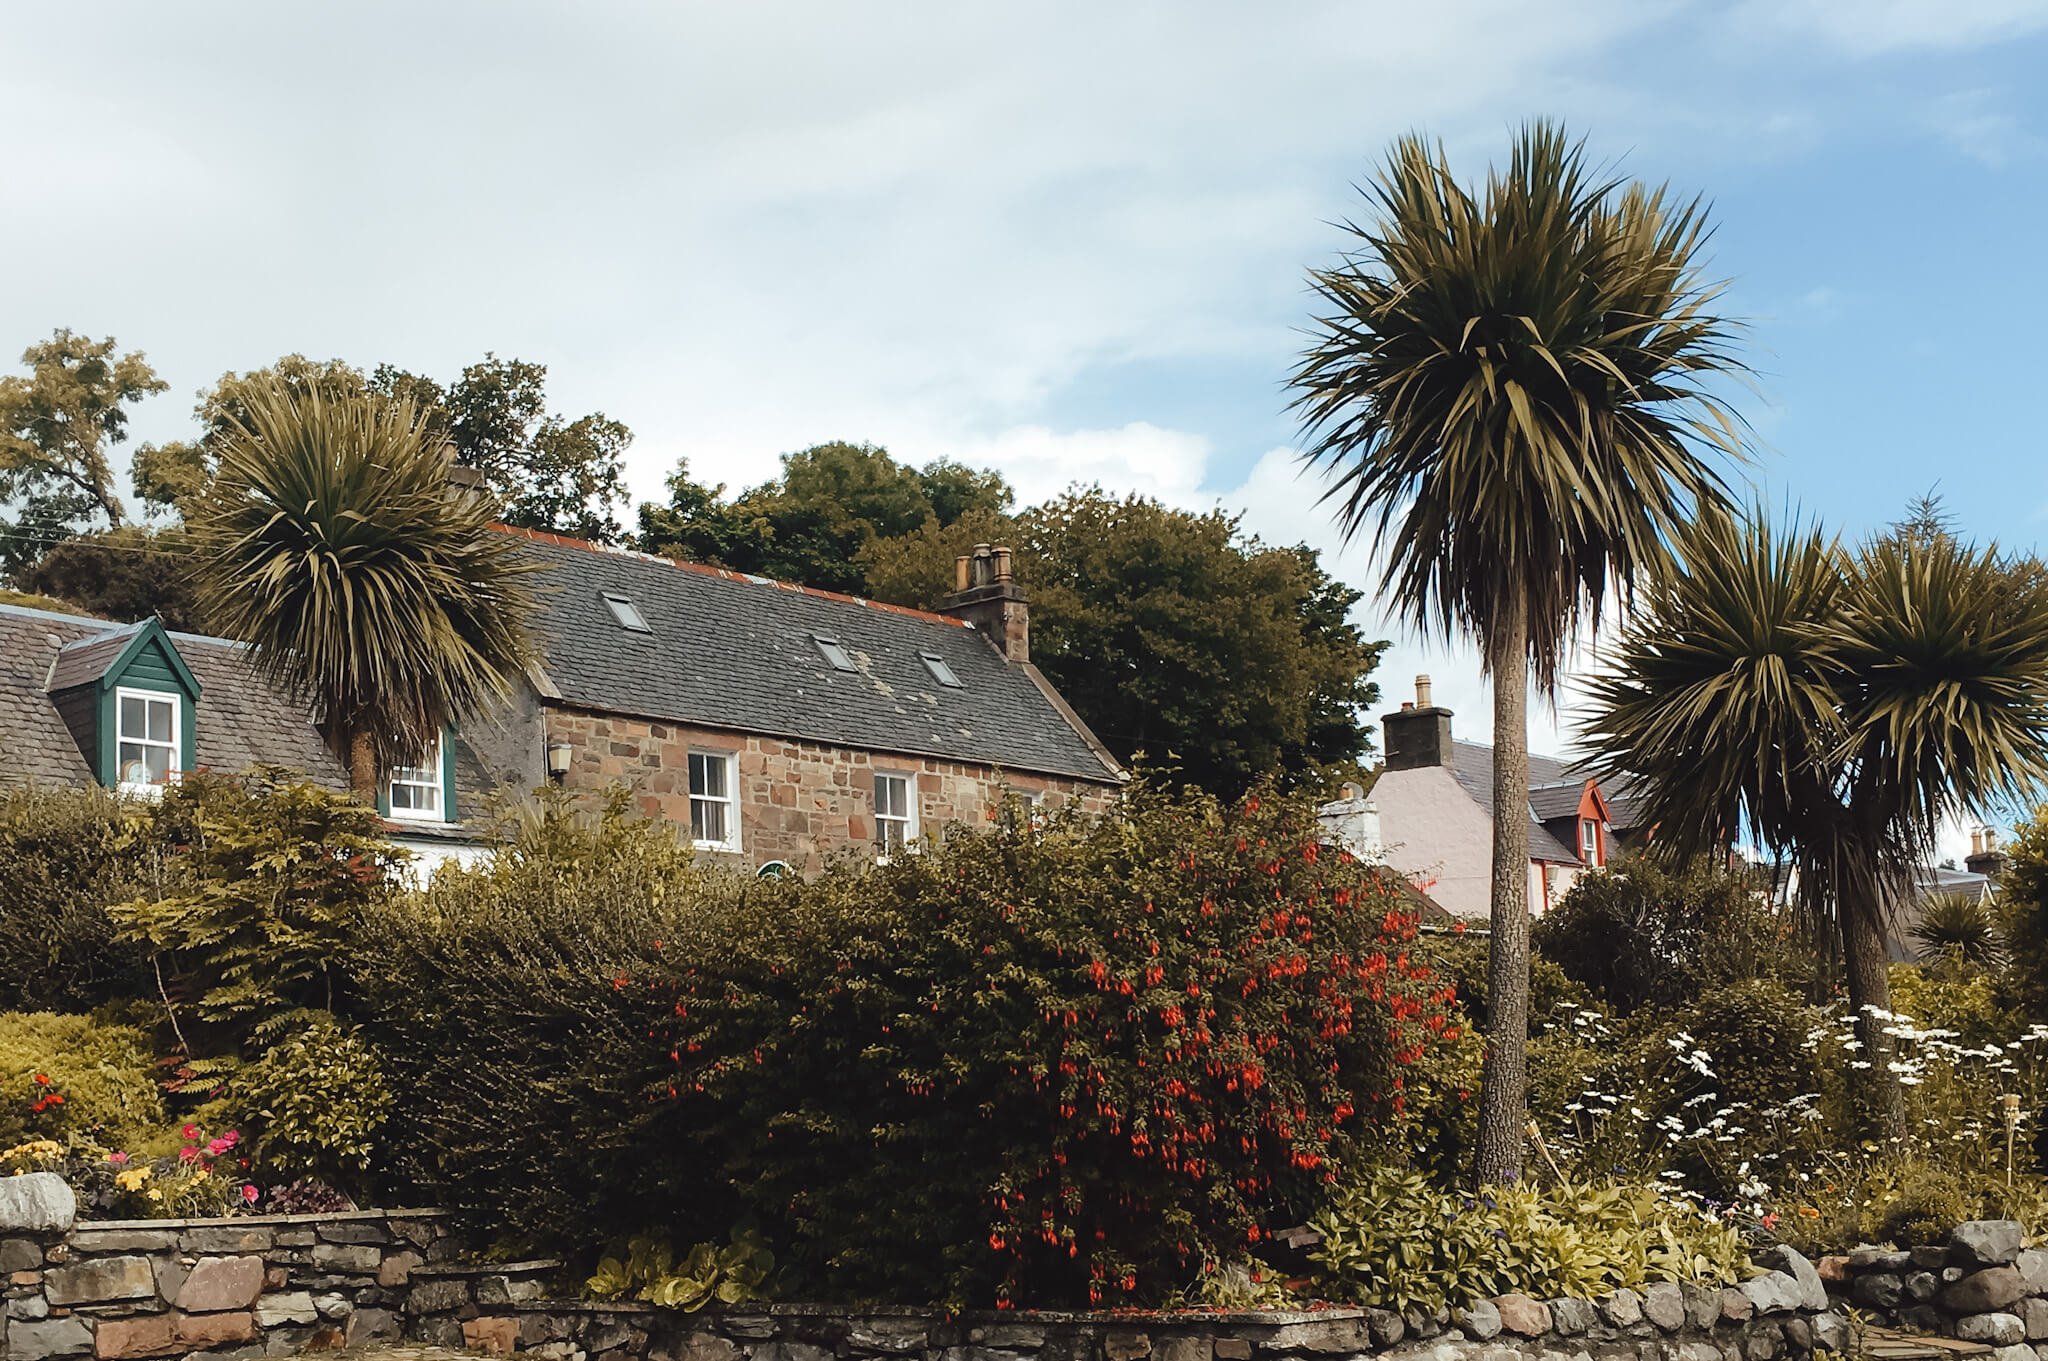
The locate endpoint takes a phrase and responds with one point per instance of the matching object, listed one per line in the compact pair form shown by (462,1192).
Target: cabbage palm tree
(331,541)
(1838,706)
(1513,389)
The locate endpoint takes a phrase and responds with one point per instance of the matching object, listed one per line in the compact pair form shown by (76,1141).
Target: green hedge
(65,854)
(103,1072)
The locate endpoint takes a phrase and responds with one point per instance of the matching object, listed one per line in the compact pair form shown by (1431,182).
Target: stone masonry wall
(237,1289)
(1980,1286)
(800,802)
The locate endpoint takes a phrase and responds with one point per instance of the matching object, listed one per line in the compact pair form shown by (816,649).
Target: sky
(1069,241)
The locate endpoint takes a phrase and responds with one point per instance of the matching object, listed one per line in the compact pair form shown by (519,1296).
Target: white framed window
(1589,841)
(895,813)
(714,800)
(415,792)
(146,728)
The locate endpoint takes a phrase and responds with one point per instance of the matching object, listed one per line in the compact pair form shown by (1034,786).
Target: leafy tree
(1218,658)
(1508,387)
(173,476)
(699,525)
(330,540)
(552,473)
(128,573)
(1837,704)
(56,427)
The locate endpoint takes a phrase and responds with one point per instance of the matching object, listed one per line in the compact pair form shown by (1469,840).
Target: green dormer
(130,702)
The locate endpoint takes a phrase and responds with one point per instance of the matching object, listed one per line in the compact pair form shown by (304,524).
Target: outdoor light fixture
(558,760)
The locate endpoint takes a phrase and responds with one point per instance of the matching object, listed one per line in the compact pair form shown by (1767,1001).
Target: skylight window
(841,659)
(626,612)
(941,672)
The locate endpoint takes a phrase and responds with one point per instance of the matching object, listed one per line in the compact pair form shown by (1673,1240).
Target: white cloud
(1975,123)
(1867,28)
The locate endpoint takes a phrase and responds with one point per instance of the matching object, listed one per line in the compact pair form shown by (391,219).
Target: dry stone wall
(234,1289)
(1980,1286)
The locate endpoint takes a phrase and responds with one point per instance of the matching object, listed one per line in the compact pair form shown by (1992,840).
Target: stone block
(899,1336)
(289,1307)
(36,1202)
(228,1239)
(354,1231)
(20,1254)
(1798,1335)
(1997,1329)
(396,1268)
(1736,1306)
(508,1290)
(1985,1242)
(1830,1332)
(1762,1343)
(332,1307)
(29,1307)
(1986,1291)
(2033,1312)
(1386,1328)
(1866,1257)
(497,1334)
(370,1325)
(1702,1304)
(221,1283)
(1571,1316)
(27,1280)
(1833,1268)
(1929,1256)
(205,1331)
(1324,1337)
(275,1278)
(90,1240)
(349,1259)
(51,1337)
(2032,1264)
(1520,1314)
(171,1271)
(1877,1290)
(1621,1309)
(1664,1305)
(437,1296)
(143,1335)
(1185,1347)
(1480,1321)
(1233,1349)
(2017,1352)
(1813,1294)
(1922,1286)
(787,1351)
(100,1280)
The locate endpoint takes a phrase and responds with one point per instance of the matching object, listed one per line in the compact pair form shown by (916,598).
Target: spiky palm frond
(1960,927)
(331,542)
(1516,391)
(1718,702)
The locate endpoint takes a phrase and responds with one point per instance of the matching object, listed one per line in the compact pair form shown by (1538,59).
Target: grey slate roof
(84,660)
(737,652)
(1472,763)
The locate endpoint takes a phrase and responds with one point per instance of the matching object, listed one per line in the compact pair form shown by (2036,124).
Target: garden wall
(230,1289)
(1980,1286)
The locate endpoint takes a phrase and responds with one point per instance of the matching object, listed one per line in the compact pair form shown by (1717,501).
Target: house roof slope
(1472,763)
(736,652)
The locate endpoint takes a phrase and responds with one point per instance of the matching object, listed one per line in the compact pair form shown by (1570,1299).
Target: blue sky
(1066,239)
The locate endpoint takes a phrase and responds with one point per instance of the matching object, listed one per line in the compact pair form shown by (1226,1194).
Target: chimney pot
(1422,692)
(963,569)
(1002,563)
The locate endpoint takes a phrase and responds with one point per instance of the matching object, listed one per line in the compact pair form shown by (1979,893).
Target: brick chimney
(1418,734)
(988,597)
(1985,857)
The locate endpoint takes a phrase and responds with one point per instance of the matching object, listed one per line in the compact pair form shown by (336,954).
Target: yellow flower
(1808,1212)
(156,1193)
(132,1179)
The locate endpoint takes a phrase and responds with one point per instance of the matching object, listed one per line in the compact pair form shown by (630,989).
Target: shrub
(1645,934)
(2023,895)
(316,1098)
(1392,1240)
(64,855)
(518,1061)
(1060,1066)
(72,1077)
(268,885)
(1459,958)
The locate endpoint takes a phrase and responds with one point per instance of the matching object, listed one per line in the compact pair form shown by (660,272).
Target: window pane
(134,720)
(158,760)
(131,767)
(891,834)
(707,820)
(159,721)
(890,796)
(708,776)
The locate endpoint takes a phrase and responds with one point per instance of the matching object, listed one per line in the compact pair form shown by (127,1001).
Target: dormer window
(626,613)
(1592,845)
(417,793)
(146,739)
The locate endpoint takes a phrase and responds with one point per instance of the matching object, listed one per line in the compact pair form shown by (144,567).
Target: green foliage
(64,855)
(649,1270)
(1960,933)
(1645,934)
(57,425)
(128,573)
(1064,1065)
(330,540)
(519,1062)
(2023,895)
(317,1098)
(68,1077)
(1392,1239)
(265,894)
(1460,959)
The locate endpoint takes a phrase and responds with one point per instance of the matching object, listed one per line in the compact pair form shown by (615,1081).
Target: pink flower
(249,1193)
(188,1154)
(190,1131)
(218,1147)
(117,1158)
(231,1138)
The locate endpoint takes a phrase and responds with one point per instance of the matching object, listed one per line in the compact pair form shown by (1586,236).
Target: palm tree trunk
(1504,1077)
(1864,965)
(362,768)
